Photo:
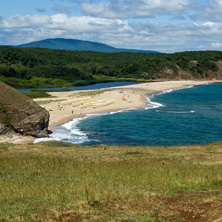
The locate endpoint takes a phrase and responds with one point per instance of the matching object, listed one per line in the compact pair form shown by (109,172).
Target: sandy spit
(124,97)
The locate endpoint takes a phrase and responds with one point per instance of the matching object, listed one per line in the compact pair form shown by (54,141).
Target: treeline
(35,67)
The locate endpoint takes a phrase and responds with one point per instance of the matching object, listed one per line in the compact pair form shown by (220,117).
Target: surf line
(69,131)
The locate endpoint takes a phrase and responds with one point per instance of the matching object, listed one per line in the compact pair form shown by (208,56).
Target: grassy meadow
(55,181)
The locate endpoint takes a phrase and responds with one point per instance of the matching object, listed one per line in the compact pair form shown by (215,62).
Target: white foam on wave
(71,126)
(114,112)
(69,132)
(171,90)
(172,111)
(56,136)
(166,91)
(154,105)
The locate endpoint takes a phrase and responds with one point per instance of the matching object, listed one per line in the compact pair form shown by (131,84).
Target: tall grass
(37,94)
(36,183)
(91,93)
(43,102)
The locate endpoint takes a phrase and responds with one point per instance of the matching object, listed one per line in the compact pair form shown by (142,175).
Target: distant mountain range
(79,45)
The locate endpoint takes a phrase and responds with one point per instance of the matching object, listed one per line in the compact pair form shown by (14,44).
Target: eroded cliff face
(21,114)
(2,129)
(33,124)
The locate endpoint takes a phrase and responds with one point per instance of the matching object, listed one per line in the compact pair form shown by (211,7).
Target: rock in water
(21,114)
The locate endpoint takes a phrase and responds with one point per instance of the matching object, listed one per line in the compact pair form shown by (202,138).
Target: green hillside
(35,67)
(56,181)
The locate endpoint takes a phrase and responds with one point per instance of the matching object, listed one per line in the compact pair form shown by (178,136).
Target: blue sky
(160,25)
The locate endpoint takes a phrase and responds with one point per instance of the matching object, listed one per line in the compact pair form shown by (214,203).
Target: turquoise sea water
(177,117)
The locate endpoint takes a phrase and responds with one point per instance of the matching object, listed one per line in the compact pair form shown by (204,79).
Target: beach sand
(124,97)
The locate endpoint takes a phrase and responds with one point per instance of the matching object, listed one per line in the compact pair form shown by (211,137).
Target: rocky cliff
(21,114)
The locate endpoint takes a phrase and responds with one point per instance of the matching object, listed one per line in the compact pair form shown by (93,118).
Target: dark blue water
(94,86)
(181,117)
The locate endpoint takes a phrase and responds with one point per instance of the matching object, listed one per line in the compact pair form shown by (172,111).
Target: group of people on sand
(60,107)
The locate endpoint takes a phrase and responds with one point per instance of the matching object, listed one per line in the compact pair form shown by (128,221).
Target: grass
(63,182)
(52,90)
(4,116)
(90,93)
(37,94)
(44,93)
(48,101)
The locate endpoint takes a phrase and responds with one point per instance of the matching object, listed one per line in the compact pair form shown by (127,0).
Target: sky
(159,25)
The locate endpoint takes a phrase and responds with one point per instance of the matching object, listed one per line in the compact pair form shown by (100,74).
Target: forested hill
(80,45)
(36,67)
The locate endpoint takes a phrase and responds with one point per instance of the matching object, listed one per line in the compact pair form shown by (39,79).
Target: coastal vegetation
(56,181)
(90,93)
(4,116)
(43,102)
(37,67)
(37,94)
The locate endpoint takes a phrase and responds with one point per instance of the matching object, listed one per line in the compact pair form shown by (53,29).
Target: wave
(69,132)
(172,111)
(171,90)
(154,105)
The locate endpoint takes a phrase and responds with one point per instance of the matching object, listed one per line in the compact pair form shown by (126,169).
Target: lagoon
(88,87)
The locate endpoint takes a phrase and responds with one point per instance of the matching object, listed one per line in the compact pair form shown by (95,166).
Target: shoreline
(135,98)
(124,97)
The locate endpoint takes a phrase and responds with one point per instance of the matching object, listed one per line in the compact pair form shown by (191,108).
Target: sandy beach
(64,106)
(125,97)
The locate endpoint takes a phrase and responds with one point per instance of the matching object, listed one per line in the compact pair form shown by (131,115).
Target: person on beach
(22,132)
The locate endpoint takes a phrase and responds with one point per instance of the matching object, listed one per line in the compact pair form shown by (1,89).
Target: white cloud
(134,9)
(217,45)
(115,32)
(63,22)
(61,9)
(169,38)
(211,12)
(18,21)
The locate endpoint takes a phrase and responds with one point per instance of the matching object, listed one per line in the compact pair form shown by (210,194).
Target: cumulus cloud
(211,12)
(134,9)
(167,37)
(217,45)
(61,9)
(63,22)
(18,21)
(115,32)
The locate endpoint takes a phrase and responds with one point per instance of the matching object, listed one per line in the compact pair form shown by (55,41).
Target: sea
(187,116)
